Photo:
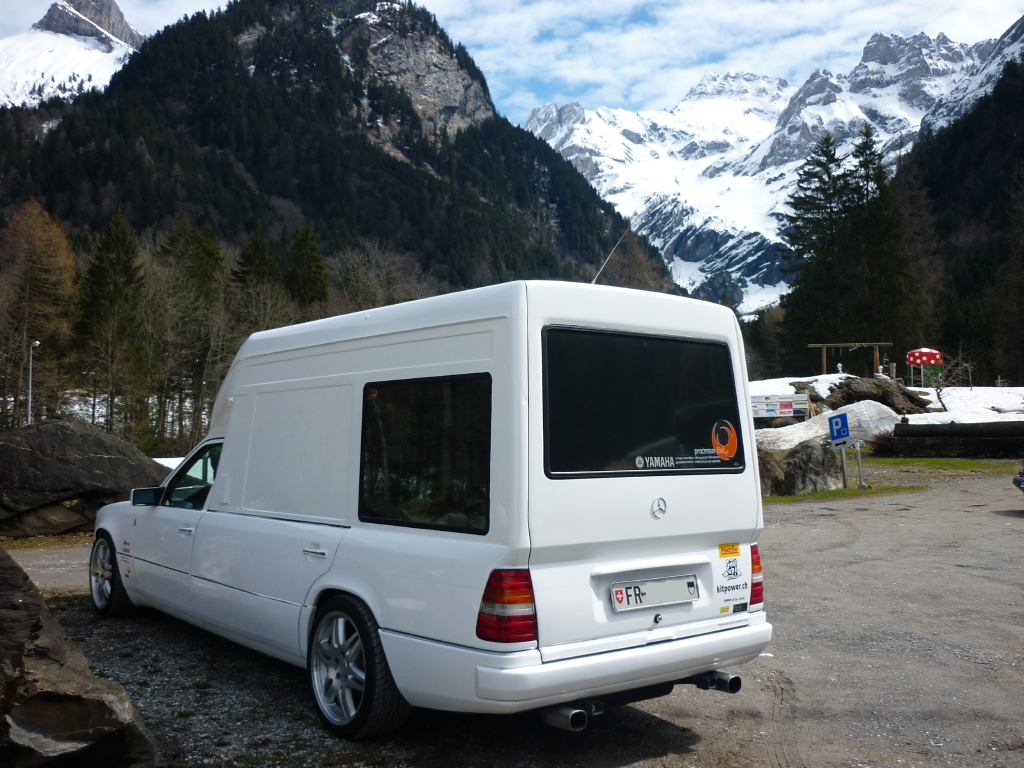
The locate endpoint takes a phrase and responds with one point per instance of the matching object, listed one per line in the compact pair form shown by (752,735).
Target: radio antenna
(609,257)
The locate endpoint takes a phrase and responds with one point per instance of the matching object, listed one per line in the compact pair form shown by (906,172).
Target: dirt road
(899,640)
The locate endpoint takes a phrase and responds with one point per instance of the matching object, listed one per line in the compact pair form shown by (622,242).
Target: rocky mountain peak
(546,120)
(100,19)
(447,91)
(742,84)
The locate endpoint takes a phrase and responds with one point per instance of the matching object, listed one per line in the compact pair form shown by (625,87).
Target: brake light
(756,580)
(507,611)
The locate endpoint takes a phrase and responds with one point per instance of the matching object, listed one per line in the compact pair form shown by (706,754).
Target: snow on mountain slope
(663,169)
(37,65)
(969,89)
(77,46)
(707,181)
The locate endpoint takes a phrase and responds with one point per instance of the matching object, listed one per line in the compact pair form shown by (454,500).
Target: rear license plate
(632,595)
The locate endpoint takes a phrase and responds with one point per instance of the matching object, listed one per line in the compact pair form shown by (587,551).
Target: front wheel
(354,692)
(109,597)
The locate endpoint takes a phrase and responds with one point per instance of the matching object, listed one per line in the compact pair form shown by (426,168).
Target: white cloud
(647,54)
(643,53)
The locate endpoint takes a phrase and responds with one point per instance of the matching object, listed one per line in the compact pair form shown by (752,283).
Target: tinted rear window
(426,453)
(631,404)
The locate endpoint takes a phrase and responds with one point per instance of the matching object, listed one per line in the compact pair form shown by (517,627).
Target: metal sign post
(839,434)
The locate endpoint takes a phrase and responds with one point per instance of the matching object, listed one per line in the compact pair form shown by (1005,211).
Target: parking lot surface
(899,641)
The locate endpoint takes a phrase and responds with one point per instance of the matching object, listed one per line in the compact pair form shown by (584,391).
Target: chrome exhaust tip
(718,681)
(566,717)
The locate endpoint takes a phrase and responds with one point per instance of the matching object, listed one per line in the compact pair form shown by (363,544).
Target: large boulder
(867,420)
(53,712)
(888,392)
(54,475)
(771,474)
(812,466)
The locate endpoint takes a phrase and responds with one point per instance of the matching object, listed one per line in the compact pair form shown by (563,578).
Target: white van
(535,495)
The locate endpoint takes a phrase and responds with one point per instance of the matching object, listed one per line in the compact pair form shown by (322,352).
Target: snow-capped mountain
(77,46)
(708,180)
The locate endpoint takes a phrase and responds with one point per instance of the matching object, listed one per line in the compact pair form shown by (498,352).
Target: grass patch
(68,540)
(54,593)
(843,493)
(949,465)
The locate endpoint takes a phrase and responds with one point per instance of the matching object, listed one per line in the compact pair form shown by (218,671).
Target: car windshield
(619,403)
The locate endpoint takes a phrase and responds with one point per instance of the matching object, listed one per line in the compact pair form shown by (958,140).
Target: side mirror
(146,497)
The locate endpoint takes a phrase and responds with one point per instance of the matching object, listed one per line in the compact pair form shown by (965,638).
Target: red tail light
(507,611)
(756,580)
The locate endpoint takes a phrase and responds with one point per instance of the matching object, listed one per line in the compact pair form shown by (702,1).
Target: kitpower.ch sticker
(724,439)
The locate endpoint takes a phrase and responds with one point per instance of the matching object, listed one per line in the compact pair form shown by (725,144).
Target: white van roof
(503,300)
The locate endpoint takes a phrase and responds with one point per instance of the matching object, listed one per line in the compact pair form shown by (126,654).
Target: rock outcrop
(771,474)
(55,475)
(812,466)
(446,97)
(101,19)
(53,711)
(888,392)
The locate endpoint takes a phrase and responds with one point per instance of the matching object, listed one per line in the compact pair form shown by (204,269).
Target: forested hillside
(275,161)
(255,118)
(932,255)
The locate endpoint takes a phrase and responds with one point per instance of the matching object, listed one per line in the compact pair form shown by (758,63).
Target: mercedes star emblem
(659,508)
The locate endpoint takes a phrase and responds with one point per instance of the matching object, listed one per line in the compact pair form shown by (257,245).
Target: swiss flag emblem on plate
(619,596)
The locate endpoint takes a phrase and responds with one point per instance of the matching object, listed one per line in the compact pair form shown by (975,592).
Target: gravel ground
(899,640)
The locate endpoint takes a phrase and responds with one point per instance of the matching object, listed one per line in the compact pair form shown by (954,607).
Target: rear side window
(619,403)
(426,453)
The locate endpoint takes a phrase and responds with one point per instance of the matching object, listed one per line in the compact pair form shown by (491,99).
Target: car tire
(106,589)
(351,683)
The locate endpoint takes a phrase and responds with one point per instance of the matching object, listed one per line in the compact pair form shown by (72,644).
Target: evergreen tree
(112,289)
(205,264)
(818,204)
(855,279)
(815,310)
(307,274)
(256,263)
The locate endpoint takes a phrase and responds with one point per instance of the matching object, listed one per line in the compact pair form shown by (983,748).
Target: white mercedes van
(531,496)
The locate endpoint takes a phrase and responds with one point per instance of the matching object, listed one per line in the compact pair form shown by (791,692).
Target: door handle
(189,531)
(317,552)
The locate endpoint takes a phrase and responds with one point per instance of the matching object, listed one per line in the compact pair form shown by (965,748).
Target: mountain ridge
(718,217)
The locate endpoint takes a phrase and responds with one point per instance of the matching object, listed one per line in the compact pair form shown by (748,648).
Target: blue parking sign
(838,430)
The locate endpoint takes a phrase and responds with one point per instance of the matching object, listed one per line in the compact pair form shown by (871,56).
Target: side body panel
(297,461)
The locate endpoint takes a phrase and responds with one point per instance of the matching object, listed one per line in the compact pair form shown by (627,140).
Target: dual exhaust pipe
(576,716)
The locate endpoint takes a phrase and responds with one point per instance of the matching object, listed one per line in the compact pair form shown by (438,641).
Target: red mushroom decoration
(924,356)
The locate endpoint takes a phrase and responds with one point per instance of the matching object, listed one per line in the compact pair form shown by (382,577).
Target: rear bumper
(442,676)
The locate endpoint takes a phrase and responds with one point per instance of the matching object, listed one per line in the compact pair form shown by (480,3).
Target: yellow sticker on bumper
(729,550)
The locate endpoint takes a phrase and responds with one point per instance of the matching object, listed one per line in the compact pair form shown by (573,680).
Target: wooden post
(877,363)
(824,362)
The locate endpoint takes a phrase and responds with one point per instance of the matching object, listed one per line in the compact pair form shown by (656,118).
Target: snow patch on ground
(969,405)
(823,384)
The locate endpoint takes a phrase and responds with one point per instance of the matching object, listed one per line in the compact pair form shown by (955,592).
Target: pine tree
(256,263)
(818,205)
(205,264)
(113,286)
(815,310)
(307,274)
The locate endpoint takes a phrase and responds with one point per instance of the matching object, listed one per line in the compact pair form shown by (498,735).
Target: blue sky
(644,54)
